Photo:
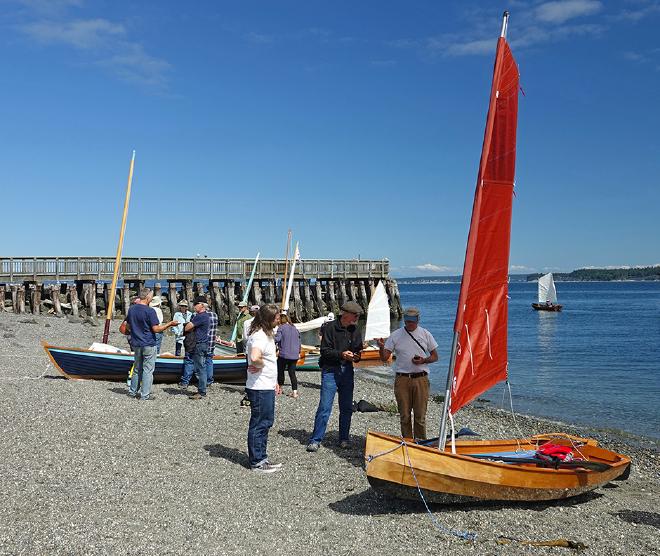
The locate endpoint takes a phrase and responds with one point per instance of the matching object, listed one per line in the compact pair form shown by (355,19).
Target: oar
(592,465)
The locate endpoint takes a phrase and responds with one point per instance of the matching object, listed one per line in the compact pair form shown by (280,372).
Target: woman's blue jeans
(262,416)
(335,380)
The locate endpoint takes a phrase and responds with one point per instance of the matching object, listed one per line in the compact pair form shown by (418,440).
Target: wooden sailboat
(547,294)
(502,470)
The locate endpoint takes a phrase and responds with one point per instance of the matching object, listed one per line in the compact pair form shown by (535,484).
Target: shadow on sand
(354,454)
(232,455)
(371,502)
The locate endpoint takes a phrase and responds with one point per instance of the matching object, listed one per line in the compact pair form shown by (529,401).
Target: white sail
(296,258)
(378,315)
(547,291)
(314,323)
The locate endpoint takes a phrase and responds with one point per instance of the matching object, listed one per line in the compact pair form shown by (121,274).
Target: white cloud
(563,10)
(83,34)
(101,42)
(428,267)
(519,268)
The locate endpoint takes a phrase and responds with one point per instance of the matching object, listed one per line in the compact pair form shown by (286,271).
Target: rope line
(466,535)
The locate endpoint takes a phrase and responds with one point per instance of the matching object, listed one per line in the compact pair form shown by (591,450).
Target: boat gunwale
(529,468)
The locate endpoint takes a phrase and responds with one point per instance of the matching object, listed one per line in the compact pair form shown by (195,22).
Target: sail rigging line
(466,535)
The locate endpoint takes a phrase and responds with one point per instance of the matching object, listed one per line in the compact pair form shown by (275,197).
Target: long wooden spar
(115,275)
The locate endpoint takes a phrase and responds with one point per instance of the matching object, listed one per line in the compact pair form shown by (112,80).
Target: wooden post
(372,288)
(187,287)
(73,299)
(173,301)
(20,298)
(91,303)
(2,298)
(106,298)
(297,304)
(217,301)
(125,298)
(352,291)
(332,298)
(199,289)
(14,298)
(362,296)
(343,297)
(256,289)
(231,302)
(239,289)
(55,297)
(269,291)
(310,312)
(390,294)
(158,289)
(35,298)
(320,304)
(396,302)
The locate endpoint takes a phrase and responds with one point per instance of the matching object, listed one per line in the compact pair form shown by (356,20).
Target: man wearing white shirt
(415,348)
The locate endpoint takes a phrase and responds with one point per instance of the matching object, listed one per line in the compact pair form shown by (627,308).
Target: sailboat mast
(286,269)
(115,275)
(461,307)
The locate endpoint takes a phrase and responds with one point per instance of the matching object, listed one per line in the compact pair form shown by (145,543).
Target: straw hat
(156,301)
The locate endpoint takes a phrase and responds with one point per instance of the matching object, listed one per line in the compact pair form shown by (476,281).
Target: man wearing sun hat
(415,348)
(341,345)
(201,324)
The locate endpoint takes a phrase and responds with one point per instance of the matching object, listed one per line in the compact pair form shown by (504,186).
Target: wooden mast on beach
(286,269)
(113,289)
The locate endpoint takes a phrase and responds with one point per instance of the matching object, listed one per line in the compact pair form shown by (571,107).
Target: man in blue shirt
(142,324)
(201,323)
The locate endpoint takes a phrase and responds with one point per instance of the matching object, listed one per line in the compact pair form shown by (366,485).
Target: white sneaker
(265,468)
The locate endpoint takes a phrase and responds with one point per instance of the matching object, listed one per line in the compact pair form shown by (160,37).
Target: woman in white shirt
(261,385)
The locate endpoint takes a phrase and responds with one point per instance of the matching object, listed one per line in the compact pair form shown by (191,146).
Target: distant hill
(647,273)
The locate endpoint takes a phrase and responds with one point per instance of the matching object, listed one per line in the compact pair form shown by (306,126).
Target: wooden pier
(81,285)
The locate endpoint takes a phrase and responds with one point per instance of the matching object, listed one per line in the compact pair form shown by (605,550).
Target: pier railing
(64,269)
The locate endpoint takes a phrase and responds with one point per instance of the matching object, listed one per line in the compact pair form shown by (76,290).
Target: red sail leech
(482,313)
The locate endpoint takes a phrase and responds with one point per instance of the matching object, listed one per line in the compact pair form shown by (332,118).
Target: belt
(411,375)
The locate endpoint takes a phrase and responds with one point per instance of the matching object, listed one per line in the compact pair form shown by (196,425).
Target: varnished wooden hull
(545,307)
(448,478)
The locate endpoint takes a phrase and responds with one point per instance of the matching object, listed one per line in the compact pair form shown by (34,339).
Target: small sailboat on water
(547,294)
(542,467)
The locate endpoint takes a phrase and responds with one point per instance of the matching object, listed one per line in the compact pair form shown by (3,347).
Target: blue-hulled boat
(87,364)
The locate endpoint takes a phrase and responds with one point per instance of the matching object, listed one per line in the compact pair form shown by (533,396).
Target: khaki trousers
(412,395)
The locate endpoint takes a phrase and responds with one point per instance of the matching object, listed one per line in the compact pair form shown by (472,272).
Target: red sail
(481,317)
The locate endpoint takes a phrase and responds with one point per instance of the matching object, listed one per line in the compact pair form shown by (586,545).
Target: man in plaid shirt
(213,326)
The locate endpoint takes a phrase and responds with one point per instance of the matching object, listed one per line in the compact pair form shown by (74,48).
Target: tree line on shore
(647,273)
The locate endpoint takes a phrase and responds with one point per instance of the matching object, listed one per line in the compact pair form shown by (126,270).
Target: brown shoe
(197,396)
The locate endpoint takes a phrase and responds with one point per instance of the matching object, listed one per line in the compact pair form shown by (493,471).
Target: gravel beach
(87,470)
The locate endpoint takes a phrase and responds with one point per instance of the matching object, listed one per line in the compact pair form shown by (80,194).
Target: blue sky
(356,124)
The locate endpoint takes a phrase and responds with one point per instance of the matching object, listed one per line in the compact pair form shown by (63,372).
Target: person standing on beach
(341,344)
(287,340)
(243,315)
(183,316)
(261,386)
(415,348)
(142,324)
(200,323)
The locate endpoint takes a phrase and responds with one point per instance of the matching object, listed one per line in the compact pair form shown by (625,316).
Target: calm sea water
(595,363)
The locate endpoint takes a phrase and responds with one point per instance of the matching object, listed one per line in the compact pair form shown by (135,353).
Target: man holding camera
(415,348)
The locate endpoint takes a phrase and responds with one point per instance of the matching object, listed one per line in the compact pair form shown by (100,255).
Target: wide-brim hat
(241,304)
(183,302)
(156,301)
